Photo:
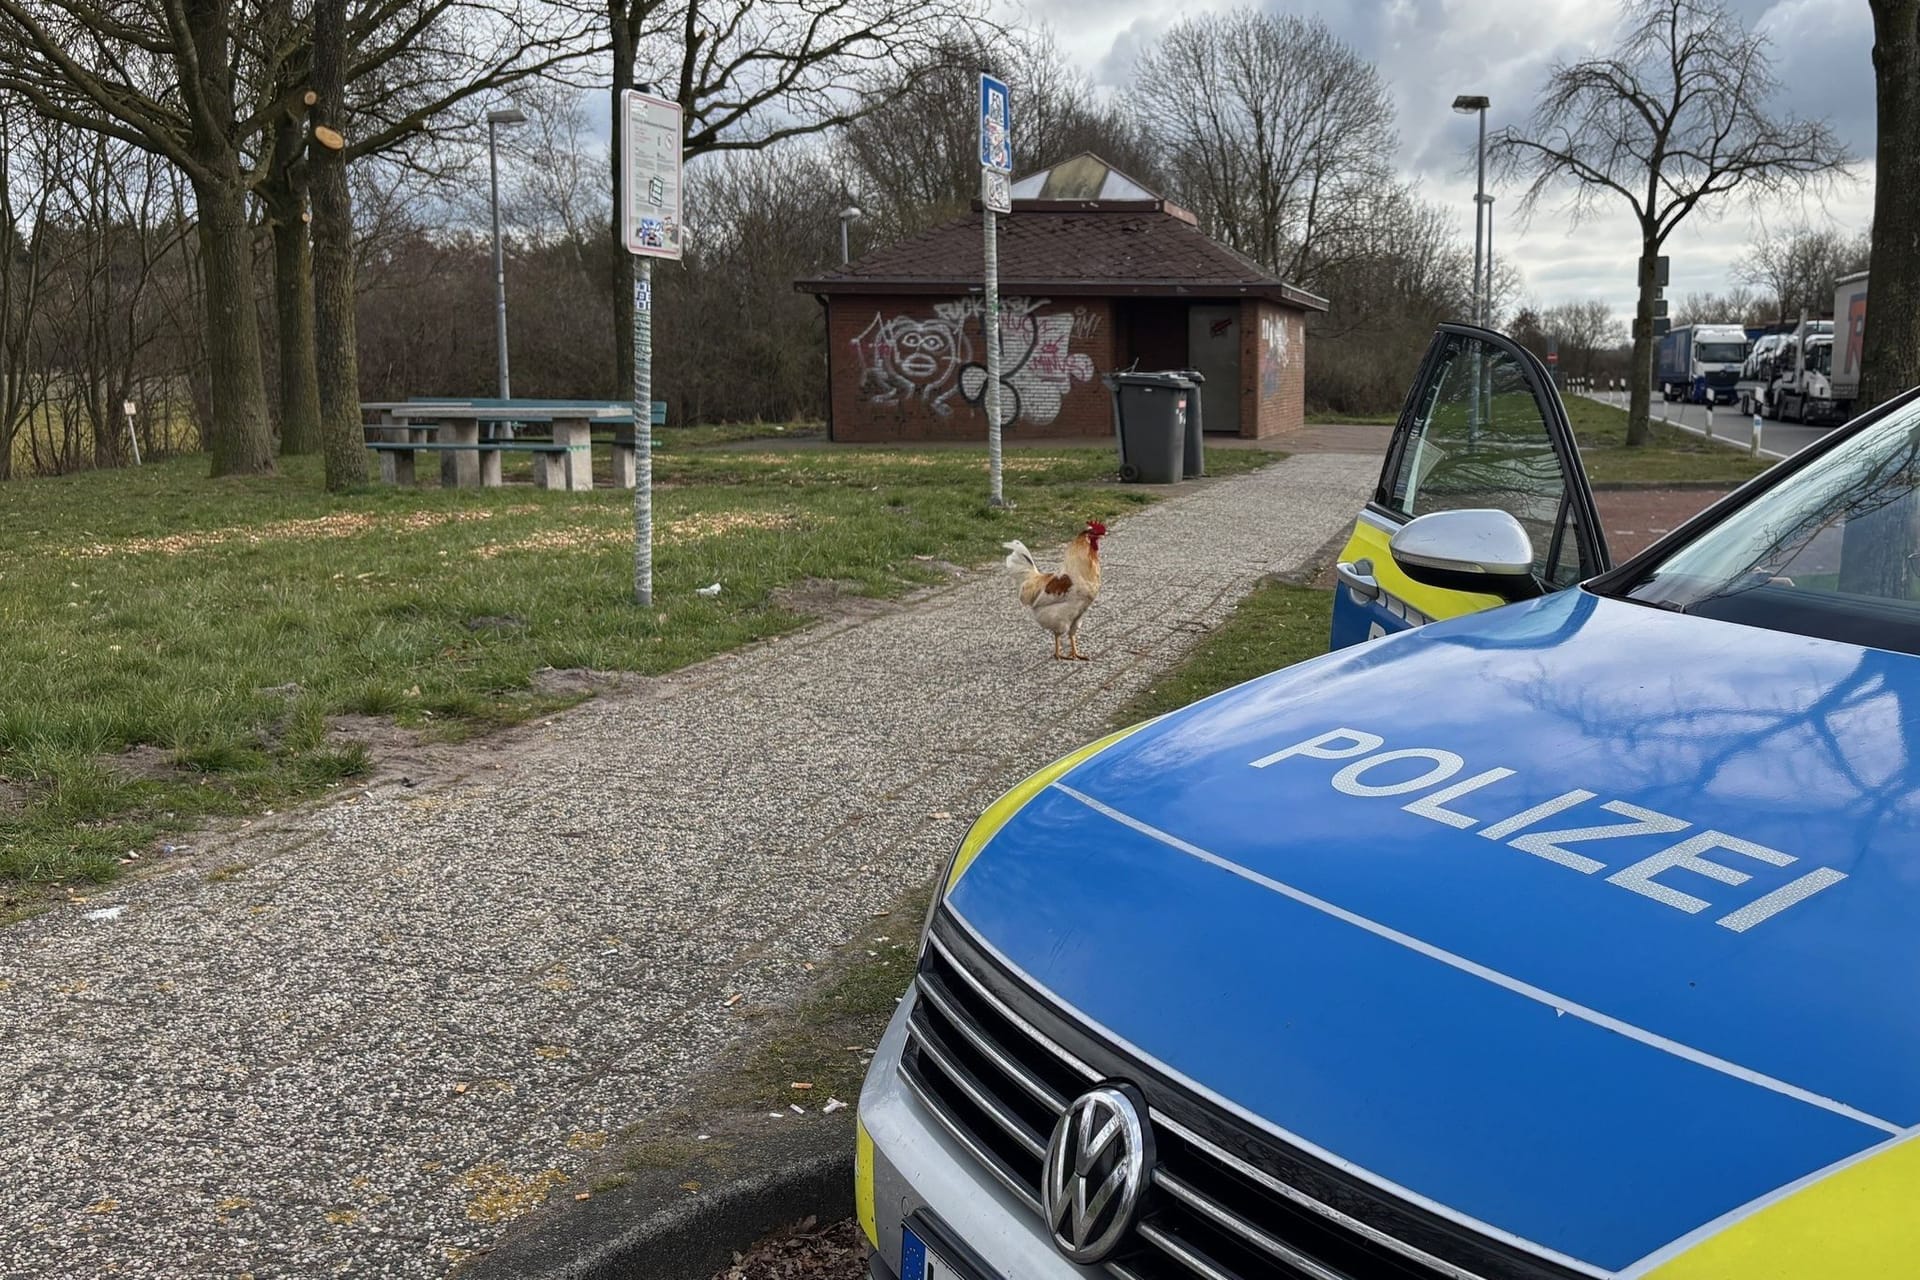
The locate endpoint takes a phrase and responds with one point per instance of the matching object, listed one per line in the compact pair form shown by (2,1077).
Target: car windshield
(1720,352)
(1830,551)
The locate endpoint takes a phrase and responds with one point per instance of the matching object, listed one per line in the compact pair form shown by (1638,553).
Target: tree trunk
(336,358)
(1890,356)
(241,434)
(293,315)
(1640,365)
(623,55)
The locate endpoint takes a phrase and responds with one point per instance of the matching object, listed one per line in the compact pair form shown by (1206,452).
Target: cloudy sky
(1430,50)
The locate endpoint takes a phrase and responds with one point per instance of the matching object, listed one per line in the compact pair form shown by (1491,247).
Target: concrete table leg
(385,430)
(573,432)
(490,469)
(625,465)
(466,462)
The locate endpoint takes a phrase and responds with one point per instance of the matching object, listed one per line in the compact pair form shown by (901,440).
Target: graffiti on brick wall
(1273,353)
(1038,365)
(905,358)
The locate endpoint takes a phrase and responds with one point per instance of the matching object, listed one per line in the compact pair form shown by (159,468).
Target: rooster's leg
(1056,646)
(1073,643)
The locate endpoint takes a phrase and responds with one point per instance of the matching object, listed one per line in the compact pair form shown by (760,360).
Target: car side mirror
(1478,549)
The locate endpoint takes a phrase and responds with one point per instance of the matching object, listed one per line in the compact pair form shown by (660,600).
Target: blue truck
(1700,363)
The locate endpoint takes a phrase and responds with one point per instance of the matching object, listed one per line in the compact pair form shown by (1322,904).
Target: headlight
(1001,811)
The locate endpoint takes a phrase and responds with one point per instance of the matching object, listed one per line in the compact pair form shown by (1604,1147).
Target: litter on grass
(709,591)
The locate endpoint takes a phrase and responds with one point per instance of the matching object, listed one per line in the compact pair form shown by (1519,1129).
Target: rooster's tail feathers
(1019,559)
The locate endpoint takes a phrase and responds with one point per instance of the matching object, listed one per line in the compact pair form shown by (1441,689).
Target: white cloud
(1430,50)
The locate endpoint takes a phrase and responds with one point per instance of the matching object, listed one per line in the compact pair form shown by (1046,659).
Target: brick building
(1096,274)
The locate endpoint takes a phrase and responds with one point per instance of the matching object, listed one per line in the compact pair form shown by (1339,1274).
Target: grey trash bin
(1196,454)
(1150,422)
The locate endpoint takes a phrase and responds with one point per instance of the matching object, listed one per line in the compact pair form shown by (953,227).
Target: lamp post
(848,215)
(1470,104)
(494,120)
(1486,294)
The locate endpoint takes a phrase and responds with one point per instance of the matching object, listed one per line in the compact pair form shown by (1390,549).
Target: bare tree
(336,353)
(1583,330)
(1736,306)
(1275,130)
(749,73)
(1797,266)
(169,76)
(1890,360)
(1674,116)
(915,159)
(410,66)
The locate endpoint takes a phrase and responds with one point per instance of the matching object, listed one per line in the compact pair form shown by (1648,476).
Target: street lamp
(1486,202)
(1470,104)
(848,215)
(494,120)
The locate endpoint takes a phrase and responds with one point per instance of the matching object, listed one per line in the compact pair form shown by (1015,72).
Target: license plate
(919,1262)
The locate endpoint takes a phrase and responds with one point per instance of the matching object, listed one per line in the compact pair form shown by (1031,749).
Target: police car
(1574,938)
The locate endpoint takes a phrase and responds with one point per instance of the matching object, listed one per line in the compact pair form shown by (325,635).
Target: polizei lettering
(1567,829)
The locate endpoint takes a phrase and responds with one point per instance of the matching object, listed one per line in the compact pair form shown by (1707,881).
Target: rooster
(1060,600)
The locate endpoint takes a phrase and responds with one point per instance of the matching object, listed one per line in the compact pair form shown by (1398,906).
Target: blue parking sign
(996,124)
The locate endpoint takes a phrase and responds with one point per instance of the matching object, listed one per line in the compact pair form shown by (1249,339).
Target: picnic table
(402,430)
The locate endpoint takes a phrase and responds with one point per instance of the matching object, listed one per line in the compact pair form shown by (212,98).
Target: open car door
(1482,427)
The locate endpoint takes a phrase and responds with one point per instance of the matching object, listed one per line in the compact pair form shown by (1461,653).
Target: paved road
(361,1039)
(1777,439)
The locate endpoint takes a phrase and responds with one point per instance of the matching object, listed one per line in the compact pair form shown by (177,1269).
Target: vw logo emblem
(1096,1172)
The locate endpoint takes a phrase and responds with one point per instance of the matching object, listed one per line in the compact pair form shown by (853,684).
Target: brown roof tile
(1066,247)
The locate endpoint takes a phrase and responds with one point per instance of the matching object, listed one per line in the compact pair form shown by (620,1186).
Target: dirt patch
(829,599)
(578,682)
(142,763)
(1635,518)
(395,753)
(13,797)
(803,1251)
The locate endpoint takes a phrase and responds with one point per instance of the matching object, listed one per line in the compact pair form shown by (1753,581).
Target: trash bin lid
(1168,380)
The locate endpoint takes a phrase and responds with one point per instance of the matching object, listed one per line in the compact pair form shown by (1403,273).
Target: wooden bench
(397,459)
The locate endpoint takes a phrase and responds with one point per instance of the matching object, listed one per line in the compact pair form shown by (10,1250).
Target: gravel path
(416,1013)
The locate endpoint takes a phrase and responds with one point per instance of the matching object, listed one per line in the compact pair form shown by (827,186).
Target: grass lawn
(1277,625)
(216,625)
(1674,456)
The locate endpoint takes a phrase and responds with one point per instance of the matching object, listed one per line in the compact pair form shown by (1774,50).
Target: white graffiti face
(925,351)
(906,358)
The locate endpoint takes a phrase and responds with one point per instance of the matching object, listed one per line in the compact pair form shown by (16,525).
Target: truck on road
(1849,330)
(1700,363)
(1811,372)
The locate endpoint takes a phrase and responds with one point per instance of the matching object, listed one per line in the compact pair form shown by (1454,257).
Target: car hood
(1524,1021)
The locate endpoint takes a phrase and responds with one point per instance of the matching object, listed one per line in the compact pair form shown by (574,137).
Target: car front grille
(1225,1204)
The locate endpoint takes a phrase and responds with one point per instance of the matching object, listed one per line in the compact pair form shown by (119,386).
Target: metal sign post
(996,163)
(129,408)
(650,156)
